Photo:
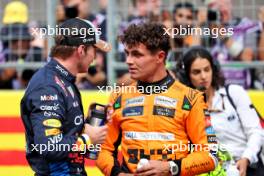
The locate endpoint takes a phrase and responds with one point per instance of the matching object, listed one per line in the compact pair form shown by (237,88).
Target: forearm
(197,163)
(253,146)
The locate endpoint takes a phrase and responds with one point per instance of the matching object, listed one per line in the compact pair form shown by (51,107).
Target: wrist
(173,168)
(167,166)
(85,138)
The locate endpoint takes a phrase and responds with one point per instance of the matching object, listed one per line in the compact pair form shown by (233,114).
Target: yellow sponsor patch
(52,123)
(53,131)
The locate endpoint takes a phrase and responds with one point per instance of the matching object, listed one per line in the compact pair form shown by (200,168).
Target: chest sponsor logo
(162,111)
(135,101)
(165,101)
(211,138)
(50,108)
(62,70)
(156,136)
(52,123)
(210,130)
(49,114)
(49,97)
(117,104)
(78,120)
(133,111)
(151,154)
(56,139)
(186,105)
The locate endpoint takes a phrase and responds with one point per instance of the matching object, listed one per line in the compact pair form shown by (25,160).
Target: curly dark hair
(184,66)
(152,35)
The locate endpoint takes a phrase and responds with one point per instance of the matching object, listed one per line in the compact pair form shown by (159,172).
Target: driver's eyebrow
(136,52)
(133,52)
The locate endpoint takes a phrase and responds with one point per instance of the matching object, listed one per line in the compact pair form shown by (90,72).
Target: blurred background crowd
(23,51)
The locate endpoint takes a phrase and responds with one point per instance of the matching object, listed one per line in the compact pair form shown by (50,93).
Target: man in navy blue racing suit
(51,109)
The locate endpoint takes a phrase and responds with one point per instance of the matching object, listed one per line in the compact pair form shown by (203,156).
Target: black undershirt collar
(155,87)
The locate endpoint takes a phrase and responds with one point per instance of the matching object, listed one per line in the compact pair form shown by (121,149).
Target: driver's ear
(80,50)
(161,57)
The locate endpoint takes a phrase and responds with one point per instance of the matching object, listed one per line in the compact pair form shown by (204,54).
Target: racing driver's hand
(96,134)
(154,168)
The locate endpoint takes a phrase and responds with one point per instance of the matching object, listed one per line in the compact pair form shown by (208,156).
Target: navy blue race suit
(52,114)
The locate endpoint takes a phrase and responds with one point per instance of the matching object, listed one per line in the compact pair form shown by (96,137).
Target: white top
(240,135)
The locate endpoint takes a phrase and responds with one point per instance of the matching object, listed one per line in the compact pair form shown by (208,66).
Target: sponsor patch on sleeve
(53,131)
(52,123)
(56,139)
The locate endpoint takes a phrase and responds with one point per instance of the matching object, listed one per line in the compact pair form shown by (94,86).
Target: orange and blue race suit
(159,125)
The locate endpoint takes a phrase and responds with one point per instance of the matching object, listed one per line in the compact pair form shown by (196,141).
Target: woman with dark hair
(236,125)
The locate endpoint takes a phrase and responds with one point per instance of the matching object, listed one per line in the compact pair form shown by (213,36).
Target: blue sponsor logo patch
(133,111)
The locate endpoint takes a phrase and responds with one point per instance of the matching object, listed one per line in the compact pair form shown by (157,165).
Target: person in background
(18,45)
(183,17)
(259,73)
(240,46)
(238,130)
(145,10)
(96,74)
(67,9)
(15,12)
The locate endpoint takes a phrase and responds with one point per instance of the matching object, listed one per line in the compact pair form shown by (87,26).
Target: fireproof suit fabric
(52,114)
(152,126)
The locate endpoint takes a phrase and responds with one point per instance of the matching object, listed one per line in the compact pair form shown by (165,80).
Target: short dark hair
(152,35)
(190,56)
(63,51)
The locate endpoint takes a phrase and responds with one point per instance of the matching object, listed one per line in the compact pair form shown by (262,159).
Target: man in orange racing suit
(156,118)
